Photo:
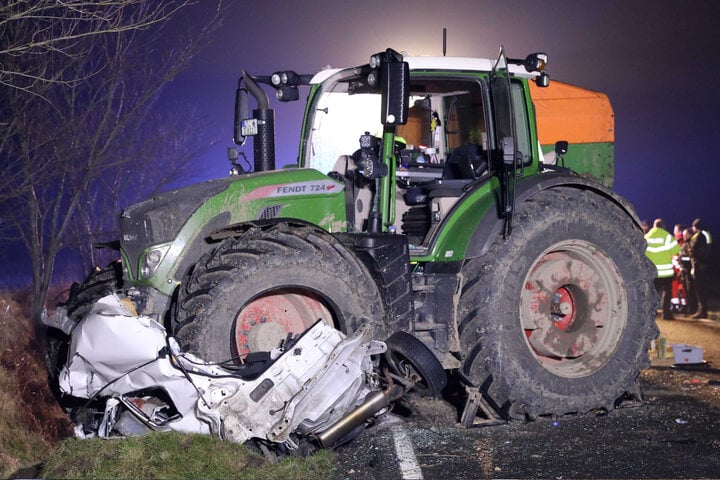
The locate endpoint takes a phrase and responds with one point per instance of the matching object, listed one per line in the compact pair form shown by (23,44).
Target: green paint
(596,160)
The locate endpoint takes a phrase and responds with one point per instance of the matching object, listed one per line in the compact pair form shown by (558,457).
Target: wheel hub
(573,308)
(263,323)
(562,308)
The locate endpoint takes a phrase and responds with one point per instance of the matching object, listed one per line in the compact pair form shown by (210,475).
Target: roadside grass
(174,455)
(36,435)
(18,445)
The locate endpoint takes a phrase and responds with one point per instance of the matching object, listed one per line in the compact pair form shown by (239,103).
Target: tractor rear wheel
(560,321)
(252,291)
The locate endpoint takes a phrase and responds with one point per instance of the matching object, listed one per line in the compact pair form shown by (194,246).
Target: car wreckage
(318,389)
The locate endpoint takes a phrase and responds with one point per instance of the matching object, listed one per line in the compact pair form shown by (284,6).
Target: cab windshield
(444,115)
(340,114)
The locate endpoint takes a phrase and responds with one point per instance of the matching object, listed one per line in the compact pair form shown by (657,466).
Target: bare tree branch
(69,137)
(63,28)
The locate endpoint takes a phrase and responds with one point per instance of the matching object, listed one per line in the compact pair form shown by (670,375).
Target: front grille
(267,213)
(159,219)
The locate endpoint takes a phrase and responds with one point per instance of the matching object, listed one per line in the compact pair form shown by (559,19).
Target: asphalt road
(673,433)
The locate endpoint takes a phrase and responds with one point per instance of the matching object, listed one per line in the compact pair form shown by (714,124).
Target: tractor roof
(442,64)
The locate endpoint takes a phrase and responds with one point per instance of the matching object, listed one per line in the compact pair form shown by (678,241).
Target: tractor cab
(412,173)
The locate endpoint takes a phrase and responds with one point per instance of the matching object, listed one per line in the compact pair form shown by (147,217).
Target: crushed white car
(320,388)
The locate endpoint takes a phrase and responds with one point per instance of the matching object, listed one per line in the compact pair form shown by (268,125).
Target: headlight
(152,260)
(287,77)
(287,94)
(535,62)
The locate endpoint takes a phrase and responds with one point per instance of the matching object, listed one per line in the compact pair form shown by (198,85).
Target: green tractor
(429,197)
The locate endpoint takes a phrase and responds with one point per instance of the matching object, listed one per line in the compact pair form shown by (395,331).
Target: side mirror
(395,78)
(561,147)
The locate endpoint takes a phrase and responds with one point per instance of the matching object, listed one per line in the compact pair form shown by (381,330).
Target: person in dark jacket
(684,276)
(700,260)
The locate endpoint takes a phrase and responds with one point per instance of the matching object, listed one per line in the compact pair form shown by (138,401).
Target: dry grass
(31,422)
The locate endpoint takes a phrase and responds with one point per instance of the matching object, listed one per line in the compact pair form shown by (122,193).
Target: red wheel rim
(263,323)
(573,308)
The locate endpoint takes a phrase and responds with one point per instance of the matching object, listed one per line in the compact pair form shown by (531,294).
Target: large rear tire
(562,318)
(249,293)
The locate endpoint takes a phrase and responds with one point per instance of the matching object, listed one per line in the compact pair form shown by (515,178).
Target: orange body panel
(567,112)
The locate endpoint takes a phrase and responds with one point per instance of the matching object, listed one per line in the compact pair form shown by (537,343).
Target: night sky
(655,60)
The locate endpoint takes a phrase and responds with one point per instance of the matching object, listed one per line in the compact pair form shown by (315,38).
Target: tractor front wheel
(252,291)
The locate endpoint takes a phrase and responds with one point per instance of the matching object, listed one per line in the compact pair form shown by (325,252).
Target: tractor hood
(159,233)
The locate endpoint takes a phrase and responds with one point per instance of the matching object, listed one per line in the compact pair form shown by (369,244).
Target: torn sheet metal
(124,358)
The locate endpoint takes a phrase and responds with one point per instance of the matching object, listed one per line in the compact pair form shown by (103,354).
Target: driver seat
(465,162)
(358,195)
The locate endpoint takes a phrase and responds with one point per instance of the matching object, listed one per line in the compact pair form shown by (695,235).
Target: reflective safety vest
(660,250)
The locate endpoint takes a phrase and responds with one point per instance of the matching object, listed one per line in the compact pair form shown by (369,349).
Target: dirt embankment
(31,416)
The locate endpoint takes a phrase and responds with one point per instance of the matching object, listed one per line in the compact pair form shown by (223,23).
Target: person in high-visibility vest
(700,259)
(661,247)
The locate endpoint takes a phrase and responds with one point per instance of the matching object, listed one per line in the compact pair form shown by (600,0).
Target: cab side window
(522,129)
(465,120)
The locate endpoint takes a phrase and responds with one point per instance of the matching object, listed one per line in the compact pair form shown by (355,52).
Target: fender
(490,225)
(217,229)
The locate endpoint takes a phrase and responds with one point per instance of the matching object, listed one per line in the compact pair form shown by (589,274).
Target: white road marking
(409,467)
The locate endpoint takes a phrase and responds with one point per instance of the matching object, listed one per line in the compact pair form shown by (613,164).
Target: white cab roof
(442,63)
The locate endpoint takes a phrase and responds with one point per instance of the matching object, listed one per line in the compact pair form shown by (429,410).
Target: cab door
(506,159)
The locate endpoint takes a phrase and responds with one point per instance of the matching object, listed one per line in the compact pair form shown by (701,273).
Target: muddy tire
(409,357)
(560,321)
(252,291)
(99,283)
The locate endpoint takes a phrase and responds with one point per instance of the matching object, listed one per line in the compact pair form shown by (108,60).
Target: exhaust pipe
(264,141)
(373,403)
